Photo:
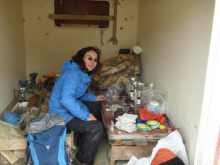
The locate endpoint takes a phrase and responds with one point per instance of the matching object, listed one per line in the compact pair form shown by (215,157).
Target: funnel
(33,76)
(51,75)
(23,83)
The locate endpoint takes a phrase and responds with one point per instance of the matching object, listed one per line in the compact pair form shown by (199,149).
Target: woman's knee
(98,127)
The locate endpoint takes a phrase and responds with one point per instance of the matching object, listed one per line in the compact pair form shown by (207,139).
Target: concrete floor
(102,154)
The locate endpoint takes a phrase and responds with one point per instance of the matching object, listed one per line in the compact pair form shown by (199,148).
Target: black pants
(90,133)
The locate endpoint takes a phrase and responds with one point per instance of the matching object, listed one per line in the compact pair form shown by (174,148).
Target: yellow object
(115,97)
(143,126)
(162,127)
(154,124)
(151,122)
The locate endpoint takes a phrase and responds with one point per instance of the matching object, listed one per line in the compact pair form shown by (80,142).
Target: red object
(173,129)
(146,114)
(165,156)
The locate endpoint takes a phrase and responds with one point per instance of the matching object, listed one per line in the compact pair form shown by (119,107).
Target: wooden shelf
(81,17)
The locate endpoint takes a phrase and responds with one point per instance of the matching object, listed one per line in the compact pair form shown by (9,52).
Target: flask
(117,113)
(131,110)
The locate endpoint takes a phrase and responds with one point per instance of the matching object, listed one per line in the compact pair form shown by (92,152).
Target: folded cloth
(129,117)
(119,126)
(126,122)
(131,128)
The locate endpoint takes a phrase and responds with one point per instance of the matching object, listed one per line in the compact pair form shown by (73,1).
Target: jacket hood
(71,65)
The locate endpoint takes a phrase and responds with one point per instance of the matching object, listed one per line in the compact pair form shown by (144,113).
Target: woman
(69,91)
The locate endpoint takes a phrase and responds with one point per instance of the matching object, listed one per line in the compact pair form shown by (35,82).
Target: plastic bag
(9,134)
(174,143)
(113,93)
(148,115)
(150,94)
(44,122)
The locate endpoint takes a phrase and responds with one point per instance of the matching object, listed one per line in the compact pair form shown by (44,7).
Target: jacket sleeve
(69,100)
(88,97)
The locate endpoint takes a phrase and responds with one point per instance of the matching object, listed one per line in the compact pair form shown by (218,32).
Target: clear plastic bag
(113,93)
(150,94)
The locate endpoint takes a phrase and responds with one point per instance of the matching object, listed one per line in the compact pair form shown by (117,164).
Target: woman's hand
(100,98)
(91,117)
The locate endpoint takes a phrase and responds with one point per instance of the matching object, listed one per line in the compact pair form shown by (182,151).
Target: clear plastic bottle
(112,125)
(139,97)
(135,103)
(132,91)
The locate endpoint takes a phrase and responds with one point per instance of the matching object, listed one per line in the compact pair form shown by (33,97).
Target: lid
(154,103)
(137,49)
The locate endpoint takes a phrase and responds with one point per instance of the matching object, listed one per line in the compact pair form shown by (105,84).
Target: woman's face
(90,59)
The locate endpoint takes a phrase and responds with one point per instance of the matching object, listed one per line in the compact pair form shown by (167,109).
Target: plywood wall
(48,46)
(12,55)
(175,37)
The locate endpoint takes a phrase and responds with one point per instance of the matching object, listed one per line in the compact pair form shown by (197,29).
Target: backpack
(46,138)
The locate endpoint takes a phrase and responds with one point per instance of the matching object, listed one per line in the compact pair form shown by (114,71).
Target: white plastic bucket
(154,106)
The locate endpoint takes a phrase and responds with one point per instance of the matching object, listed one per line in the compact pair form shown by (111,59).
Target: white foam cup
(154,106)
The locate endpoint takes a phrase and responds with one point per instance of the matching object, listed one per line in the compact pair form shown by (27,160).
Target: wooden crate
(15,153)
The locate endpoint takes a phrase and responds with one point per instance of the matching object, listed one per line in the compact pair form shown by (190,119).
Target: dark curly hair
(78,58)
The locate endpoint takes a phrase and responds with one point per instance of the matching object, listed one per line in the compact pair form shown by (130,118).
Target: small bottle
(112,125)
(132,91)
(135,103)
(131,110)
(139,97)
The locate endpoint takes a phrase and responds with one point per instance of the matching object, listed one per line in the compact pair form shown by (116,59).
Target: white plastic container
(23,104)
(154,106)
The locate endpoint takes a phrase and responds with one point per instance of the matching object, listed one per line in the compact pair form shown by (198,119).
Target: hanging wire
(101,33)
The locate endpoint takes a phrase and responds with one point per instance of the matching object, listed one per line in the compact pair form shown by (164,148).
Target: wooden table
(124,145)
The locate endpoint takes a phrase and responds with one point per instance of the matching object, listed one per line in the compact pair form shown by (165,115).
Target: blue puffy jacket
(69,89)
